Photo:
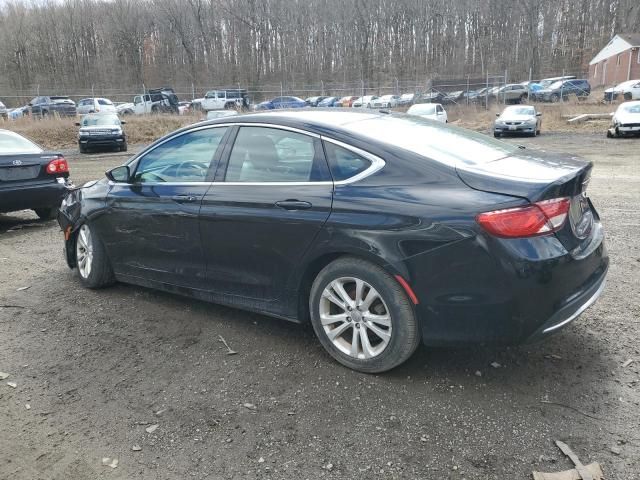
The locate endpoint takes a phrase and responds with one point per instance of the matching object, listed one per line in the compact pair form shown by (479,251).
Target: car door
(271,197)
(150,228)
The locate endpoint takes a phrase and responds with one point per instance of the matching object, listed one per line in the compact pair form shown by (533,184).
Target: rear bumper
(31,196)
(504,291)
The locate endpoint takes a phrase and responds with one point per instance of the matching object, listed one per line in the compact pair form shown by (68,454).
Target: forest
(75,44)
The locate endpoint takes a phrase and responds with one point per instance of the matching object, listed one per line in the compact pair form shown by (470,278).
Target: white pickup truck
(225,99)
(161,100)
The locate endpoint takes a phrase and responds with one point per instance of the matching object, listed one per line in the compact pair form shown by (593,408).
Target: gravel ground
(95,370)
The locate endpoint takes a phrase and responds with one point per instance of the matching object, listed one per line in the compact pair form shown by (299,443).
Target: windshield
(423,109)
(101,120)
(631,108)
(519,111)
(104,101)
(450,145)
(13,143)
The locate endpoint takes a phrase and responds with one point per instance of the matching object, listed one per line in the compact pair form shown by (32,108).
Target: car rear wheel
(123,147)
(46,213)
(555,98)
(362,316)
(92,262)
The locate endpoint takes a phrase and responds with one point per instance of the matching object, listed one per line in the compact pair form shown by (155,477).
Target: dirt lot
(97,368)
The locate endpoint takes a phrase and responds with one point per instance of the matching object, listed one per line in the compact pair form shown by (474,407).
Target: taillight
(57,165)
(538,218)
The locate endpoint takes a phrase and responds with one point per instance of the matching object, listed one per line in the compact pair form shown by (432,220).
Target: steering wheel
(197,168)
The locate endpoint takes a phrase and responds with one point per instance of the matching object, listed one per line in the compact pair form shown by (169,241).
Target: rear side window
(266,155)
(344,163)
(104,101)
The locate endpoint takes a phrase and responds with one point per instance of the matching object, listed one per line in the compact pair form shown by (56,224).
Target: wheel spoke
(371,297)
(384,320)
(367,349)
(327,319)
(334,333)
(355,341)
(359,291)
(331,296)
(384,335)
(338,287)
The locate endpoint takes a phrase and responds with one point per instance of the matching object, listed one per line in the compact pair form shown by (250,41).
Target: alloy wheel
(355,318)
(84,251)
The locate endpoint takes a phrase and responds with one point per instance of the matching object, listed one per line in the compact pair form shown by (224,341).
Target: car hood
(534,175)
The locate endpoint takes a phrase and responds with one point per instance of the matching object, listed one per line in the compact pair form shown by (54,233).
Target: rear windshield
(443,143)
(13,143)
(60,99)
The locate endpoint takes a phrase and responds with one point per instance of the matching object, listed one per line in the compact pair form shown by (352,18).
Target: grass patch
(57,133)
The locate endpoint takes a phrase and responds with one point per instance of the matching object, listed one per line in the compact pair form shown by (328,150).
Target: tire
(555,98)
(89,251)
(522,99)
(627,96)
(609,134)
(82,148)
(46,213)
(123,147)
(496,135)
(399,332)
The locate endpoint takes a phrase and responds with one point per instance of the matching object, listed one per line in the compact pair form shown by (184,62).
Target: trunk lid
(21,168)
(537,176)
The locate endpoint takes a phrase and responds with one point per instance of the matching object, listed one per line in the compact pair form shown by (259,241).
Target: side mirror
(123,122)
(497,114)
(119,174)
(77,124)
(538,114)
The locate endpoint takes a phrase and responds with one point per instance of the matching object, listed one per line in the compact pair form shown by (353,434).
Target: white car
(214,114)
(406,98)
(365,101)
(626,120)
(225,99)
(629,90)
(432,111)
(124,108)
(386,101)
(95,105)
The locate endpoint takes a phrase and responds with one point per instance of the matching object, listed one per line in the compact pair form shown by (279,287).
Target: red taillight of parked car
(57,165)
(538,218)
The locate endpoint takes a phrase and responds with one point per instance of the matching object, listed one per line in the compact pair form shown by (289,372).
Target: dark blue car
(382,230)
(282,102)
(329,102)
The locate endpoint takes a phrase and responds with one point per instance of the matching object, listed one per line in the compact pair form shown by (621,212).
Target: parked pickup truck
(226,99)
(160,100)
(54,105)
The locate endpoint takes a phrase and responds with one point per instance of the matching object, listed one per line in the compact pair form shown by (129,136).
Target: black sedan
(31,178)
(382,230)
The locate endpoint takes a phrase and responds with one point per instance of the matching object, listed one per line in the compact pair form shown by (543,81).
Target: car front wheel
(46,213)
(92,262)
(362,316)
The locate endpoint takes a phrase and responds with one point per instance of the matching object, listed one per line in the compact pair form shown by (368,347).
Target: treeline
(119,43)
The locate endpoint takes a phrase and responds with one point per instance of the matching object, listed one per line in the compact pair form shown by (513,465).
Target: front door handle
(184,198)
(293,205)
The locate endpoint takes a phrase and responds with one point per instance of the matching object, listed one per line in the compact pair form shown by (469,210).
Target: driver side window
(184,158)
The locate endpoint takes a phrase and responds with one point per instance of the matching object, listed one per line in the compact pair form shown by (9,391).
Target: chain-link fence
(479,90)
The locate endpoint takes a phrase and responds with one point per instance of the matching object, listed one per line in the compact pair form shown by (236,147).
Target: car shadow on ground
(21,221)
(574,348)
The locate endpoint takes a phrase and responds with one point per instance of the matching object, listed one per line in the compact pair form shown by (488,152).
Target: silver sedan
(518,119)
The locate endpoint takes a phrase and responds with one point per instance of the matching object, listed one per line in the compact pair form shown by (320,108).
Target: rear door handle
(293,205)
(184,198)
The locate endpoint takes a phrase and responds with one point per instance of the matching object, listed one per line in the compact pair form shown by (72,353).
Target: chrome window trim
(377,163)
